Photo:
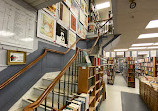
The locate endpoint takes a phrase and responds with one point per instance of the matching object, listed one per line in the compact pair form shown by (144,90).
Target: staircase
(65,89)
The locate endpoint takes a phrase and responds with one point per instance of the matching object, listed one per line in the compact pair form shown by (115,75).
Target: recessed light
(143,44)
(118,50)
(103,5)
(156,47)
(152,24)
(151,35)
(137,48)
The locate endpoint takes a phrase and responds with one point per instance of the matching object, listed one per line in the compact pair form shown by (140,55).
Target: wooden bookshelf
(110,70)
(90,81)
(131,72)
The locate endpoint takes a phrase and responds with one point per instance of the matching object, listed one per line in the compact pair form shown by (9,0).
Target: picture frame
(75,8)
(44,31)
(16,57)
(73,23)
(71,39)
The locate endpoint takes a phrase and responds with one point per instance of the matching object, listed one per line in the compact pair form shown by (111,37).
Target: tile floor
(113,94)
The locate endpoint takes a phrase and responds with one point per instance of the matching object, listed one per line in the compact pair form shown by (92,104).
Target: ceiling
(130,23)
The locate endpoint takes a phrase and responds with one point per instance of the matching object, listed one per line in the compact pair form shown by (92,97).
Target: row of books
(90,82)
(130,62)
(131,66)
(130,58)
(91,71)
(151,69)
(80,103)
(149,64)
(148,59)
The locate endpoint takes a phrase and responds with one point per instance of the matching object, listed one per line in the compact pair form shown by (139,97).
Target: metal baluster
(59,95)
(75,78)
(68,84)
(52,99)
(80,57)
(35,109)
(64,89)
(45,104)
(72,78)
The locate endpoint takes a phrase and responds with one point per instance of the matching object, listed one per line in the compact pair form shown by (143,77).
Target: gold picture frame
(16,57)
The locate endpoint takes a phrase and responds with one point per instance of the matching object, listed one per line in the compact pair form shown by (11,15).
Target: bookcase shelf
(97,86)
(110,70)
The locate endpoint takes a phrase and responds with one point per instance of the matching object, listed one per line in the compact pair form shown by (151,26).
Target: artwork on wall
(75,8)
(68,2)
(52,10)
(16,57)
(64,15)
(82,17)
(61,35)
(46,26)
(84,32)
(82,4)
(86,22)
(86,9)
(73,23)
(72,39)
(79,29)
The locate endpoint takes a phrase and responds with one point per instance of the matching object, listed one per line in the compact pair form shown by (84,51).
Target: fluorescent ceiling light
(6,33)
(143,44)
(152,24)
(120,53)
(155,44)
(120,50)
(143,52)
(156,47)
(151,35)
(137,48)
(103,5)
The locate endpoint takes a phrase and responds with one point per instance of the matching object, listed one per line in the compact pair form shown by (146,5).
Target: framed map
(72,39)
(73,23)
(75,8)
(61,35)
(46,26)
(79,29)
(64,15)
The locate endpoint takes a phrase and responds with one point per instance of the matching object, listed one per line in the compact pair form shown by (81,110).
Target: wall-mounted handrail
(4,84)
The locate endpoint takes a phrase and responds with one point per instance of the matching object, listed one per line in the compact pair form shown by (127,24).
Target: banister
(34,105)
(4,84)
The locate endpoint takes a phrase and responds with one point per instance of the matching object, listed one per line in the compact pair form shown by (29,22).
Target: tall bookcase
(90,81)
(110,71)
(131,72)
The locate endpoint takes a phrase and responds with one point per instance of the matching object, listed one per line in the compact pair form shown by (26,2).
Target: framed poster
(75,8)
(82,17)
(46,26)
(61,35)
(86,9)
(86,22)
(82,4)
(71,39)
(16,57)
(52,10)
(84,32)
(68,2)
(64,15)
(73,23)
(79,29)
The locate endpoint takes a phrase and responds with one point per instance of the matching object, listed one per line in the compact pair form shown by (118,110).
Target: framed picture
(82,17)
(61,35)
(86,22)
(71,39)
(84,32)
(86,9)
(52,10)
(82,4)
(16,57)
(68,2)
(46,26)
(64,15)
(79,29)
(73,23)
(75,8)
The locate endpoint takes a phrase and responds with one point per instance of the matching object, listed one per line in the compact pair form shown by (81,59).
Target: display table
(148,91)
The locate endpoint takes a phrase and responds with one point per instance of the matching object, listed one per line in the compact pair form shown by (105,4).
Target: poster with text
(71,39)
(68,2)
(75,8)
(64,15)
(61,35)
(73,23)
(46,26)
(79,29)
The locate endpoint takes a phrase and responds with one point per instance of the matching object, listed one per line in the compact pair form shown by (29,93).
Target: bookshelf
(131,72)
(90,81)
(110,71)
